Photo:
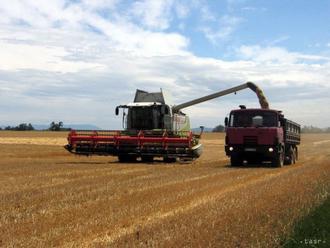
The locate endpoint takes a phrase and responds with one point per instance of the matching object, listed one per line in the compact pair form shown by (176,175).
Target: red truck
(257,135)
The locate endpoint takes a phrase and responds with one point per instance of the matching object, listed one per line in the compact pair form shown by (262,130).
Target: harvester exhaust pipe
(262,99)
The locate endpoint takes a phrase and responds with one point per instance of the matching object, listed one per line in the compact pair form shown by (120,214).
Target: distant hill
(82,126)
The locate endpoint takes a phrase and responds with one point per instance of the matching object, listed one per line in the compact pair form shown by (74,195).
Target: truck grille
(250,140)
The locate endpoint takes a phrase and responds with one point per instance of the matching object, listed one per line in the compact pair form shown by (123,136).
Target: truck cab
(257,135)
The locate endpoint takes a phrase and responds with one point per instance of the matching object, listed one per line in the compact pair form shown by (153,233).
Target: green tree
(8,128)
(56,126)
(24,127)
(219,128)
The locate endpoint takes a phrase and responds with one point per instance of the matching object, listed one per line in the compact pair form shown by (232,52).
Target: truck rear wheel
(288,157)
(235,161)
(291,158)
(278,160)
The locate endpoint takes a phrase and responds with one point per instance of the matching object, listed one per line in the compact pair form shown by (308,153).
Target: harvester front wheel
(235,161)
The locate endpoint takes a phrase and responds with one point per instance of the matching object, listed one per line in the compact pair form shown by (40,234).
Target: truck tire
(293,156)
(235,161)
(126,158)
(289,157)
(296,153)
(278,160)
(169,160)
(147,158)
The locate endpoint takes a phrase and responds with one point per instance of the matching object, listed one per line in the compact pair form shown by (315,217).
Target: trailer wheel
(235,161)
(278,160)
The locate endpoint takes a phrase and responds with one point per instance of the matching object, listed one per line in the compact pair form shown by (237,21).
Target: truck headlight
(231,148)
(270,149)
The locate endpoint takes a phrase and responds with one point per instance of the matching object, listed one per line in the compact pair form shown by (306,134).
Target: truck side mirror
(117,111)
(226,121)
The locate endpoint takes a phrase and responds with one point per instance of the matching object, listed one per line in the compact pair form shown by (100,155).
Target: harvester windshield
(247,118)
(144,118)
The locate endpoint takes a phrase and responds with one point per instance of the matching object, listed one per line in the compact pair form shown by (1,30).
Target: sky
(76,60)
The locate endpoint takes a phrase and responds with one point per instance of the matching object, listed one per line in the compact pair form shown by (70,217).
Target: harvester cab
(152,111)
(143,116)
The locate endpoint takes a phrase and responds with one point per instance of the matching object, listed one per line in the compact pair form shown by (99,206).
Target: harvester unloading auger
(153,128)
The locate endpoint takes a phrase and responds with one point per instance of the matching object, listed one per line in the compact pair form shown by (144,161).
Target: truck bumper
(252,151)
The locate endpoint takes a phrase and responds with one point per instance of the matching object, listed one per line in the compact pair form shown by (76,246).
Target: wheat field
(52,198)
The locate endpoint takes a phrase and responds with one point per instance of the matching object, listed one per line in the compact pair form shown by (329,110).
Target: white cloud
(253,9)
(100,4)
(182,10)
(206,14)
(24,56)
(226,26)
(279,40)
(74,19)
(275,54)
(153,14)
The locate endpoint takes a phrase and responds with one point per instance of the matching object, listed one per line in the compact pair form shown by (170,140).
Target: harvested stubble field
(52,198)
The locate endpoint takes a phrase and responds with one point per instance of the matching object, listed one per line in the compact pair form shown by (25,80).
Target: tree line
(20,127)
(54,126)
(312,129)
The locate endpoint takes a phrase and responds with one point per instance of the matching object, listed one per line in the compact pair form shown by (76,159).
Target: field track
(52,198)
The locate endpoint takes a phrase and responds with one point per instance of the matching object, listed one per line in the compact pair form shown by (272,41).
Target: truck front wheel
(235,161)
(278,160)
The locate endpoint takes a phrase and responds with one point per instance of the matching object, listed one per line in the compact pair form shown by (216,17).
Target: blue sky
(74,61)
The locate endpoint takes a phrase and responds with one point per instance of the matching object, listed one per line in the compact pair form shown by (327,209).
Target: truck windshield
(253,119)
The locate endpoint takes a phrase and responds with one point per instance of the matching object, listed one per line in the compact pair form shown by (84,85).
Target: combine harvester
(152,128)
